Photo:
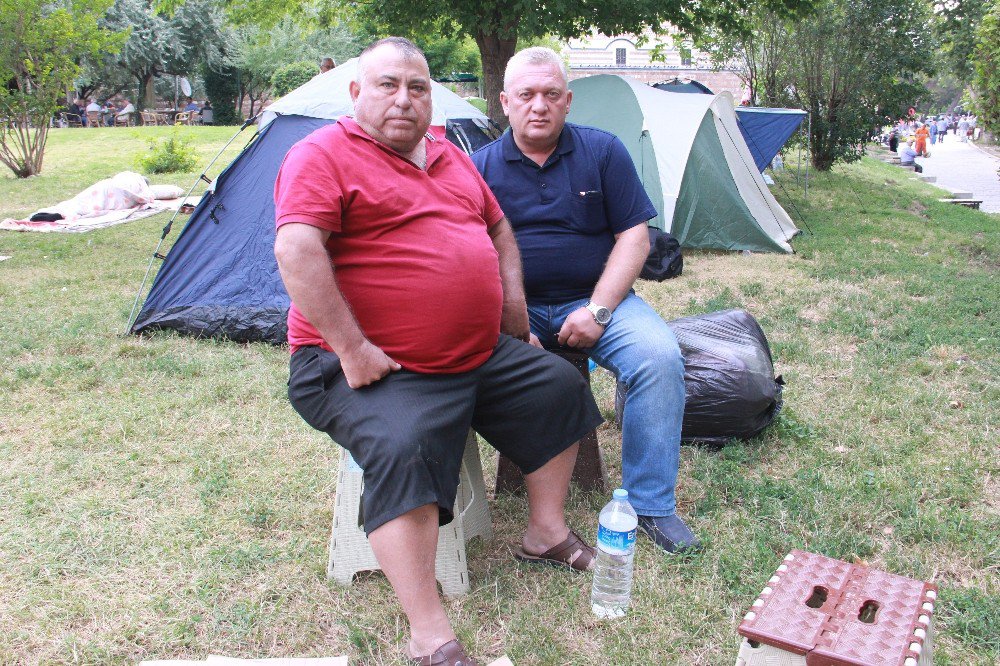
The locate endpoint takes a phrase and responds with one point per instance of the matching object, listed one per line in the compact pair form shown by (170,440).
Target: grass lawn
(160,499)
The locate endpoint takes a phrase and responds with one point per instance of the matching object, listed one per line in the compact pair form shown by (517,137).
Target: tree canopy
(854,65)
(986,60)
(955,25)
(496,25)
(43,43)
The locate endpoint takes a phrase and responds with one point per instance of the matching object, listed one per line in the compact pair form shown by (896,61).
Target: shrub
(223,89)
(291,76)
(174,153)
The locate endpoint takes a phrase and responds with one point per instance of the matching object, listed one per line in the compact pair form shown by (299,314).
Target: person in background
(893,140)
(932,128)
(963,129)
(922,135)
(907,156)
(326,64)
(91,107)
(942,127)
(207,113)
(76,109)
(126,111)
(192,106)
(108,111)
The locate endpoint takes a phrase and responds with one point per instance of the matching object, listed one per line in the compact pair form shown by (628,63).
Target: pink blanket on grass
(122,198)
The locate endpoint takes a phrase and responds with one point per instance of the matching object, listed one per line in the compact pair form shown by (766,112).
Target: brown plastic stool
(818,611)
(590,474)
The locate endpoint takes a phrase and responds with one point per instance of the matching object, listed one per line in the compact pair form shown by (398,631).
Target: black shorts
(408,431)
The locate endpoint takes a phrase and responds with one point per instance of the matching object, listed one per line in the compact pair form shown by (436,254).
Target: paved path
(962,166)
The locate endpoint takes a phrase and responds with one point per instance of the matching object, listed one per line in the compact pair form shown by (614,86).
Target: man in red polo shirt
(408,326)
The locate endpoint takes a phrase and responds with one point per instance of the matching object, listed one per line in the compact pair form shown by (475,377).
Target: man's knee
(660,359)
(391,458)
(558,371)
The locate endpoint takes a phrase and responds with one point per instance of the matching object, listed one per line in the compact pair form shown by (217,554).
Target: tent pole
(166,229)
(809,144)
(798,167)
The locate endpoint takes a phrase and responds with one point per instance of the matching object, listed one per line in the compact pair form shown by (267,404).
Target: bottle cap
(620,494)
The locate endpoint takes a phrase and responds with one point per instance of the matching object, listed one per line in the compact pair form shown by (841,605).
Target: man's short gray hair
(534,55)
(408,49)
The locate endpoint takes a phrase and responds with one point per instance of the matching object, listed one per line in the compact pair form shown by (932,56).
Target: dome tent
(693,162)
(220,279)
(764,129)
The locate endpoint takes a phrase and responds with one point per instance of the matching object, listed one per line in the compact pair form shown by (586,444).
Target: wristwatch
(602,315)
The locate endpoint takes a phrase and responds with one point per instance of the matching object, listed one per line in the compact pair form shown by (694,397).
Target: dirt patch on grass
(918,209)
(980,257)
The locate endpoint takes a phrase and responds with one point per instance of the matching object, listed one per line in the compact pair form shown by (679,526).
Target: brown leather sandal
(573,553)
(450,654)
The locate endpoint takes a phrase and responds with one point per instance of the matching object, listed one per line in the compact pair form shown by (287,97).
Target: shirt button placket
(543,188)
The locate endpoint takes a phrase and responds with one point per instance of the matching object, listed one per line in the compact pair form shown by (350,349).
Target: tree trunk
(148,92)
(22,143)
(495,52)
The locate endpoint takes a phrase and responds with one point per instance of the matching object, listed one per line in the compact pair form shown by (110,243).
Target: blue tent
(220,279)
(767,130)
(684,86)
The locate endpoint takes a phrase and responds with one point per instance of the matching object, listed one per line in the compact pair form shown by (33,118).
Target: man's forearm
(623,267)
(511,276)
(311,283)
(514,316)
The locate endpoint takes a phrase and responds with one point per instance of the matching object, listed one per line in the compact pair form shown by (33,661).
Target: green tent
(693,162)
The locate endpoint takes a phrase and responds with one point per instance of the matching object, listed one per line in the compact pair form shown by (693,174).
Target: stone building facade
(601,54)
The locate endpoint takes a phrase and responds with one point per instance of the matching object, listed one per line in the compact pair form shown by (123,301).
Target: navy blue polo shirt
(566,213)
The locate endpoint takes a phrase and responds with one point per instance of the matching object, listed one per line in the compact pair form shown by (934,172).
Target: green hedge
(223,90)
(289,77)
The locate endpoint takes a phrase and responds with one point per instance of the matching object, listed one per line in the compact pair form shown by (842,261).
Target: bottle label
(616,543)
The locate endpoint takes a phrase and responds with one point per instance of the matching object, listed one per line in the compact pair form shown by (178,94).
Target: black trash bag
(730,388)
(665,260)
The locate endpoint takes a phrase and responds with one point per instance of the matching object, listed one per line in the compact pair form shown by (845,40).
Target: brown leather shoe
(450,654)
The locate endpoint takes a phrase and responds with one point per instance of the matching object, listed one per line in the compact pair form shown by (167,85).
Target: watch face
(603,316)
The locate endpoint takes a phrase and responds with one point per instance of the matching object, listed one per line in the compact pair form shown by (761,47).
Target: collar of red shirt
(435,143)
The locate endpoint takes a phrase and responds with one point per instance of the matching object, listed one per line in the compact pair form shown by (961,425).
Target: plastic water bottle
(612,589)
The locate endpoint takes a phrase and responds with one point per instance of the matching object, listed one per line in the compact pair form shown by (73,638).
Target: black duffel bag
(664,260)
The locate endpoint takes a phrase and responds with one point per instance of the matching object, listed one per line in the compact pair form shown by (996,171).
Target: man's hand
(514,320)
(534,341)
(580,330)
(366,364)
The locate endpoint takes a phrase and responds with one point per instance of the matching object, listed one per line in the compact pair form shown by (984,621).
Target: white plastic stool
(349,548)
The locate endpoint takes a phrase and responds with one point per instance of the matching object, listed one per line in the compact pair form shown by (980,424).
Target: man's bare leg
(547,488)
(405,548)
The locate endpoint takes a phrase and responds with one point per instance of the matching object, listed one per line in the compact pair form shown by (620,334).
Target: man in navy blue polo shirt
(579,213)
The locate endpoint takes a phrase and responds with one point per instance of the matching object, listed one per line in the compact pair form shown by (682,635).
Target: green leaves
(43,43)
(986,61)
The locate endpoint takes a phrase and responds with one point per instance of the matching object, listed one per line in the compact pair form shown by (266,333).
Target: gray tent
(693,161)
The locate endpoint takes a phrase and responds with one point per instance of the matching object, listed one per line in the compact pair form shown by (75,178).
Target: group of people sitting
(119,110)
(426,288)
(87,111)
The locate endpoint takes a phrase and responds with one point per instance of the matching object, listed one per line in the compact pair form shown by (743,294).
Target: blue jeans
(642,352)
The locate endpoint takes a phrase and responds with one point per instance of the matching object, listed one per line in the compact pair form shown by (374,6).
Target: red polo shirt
(411,250)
